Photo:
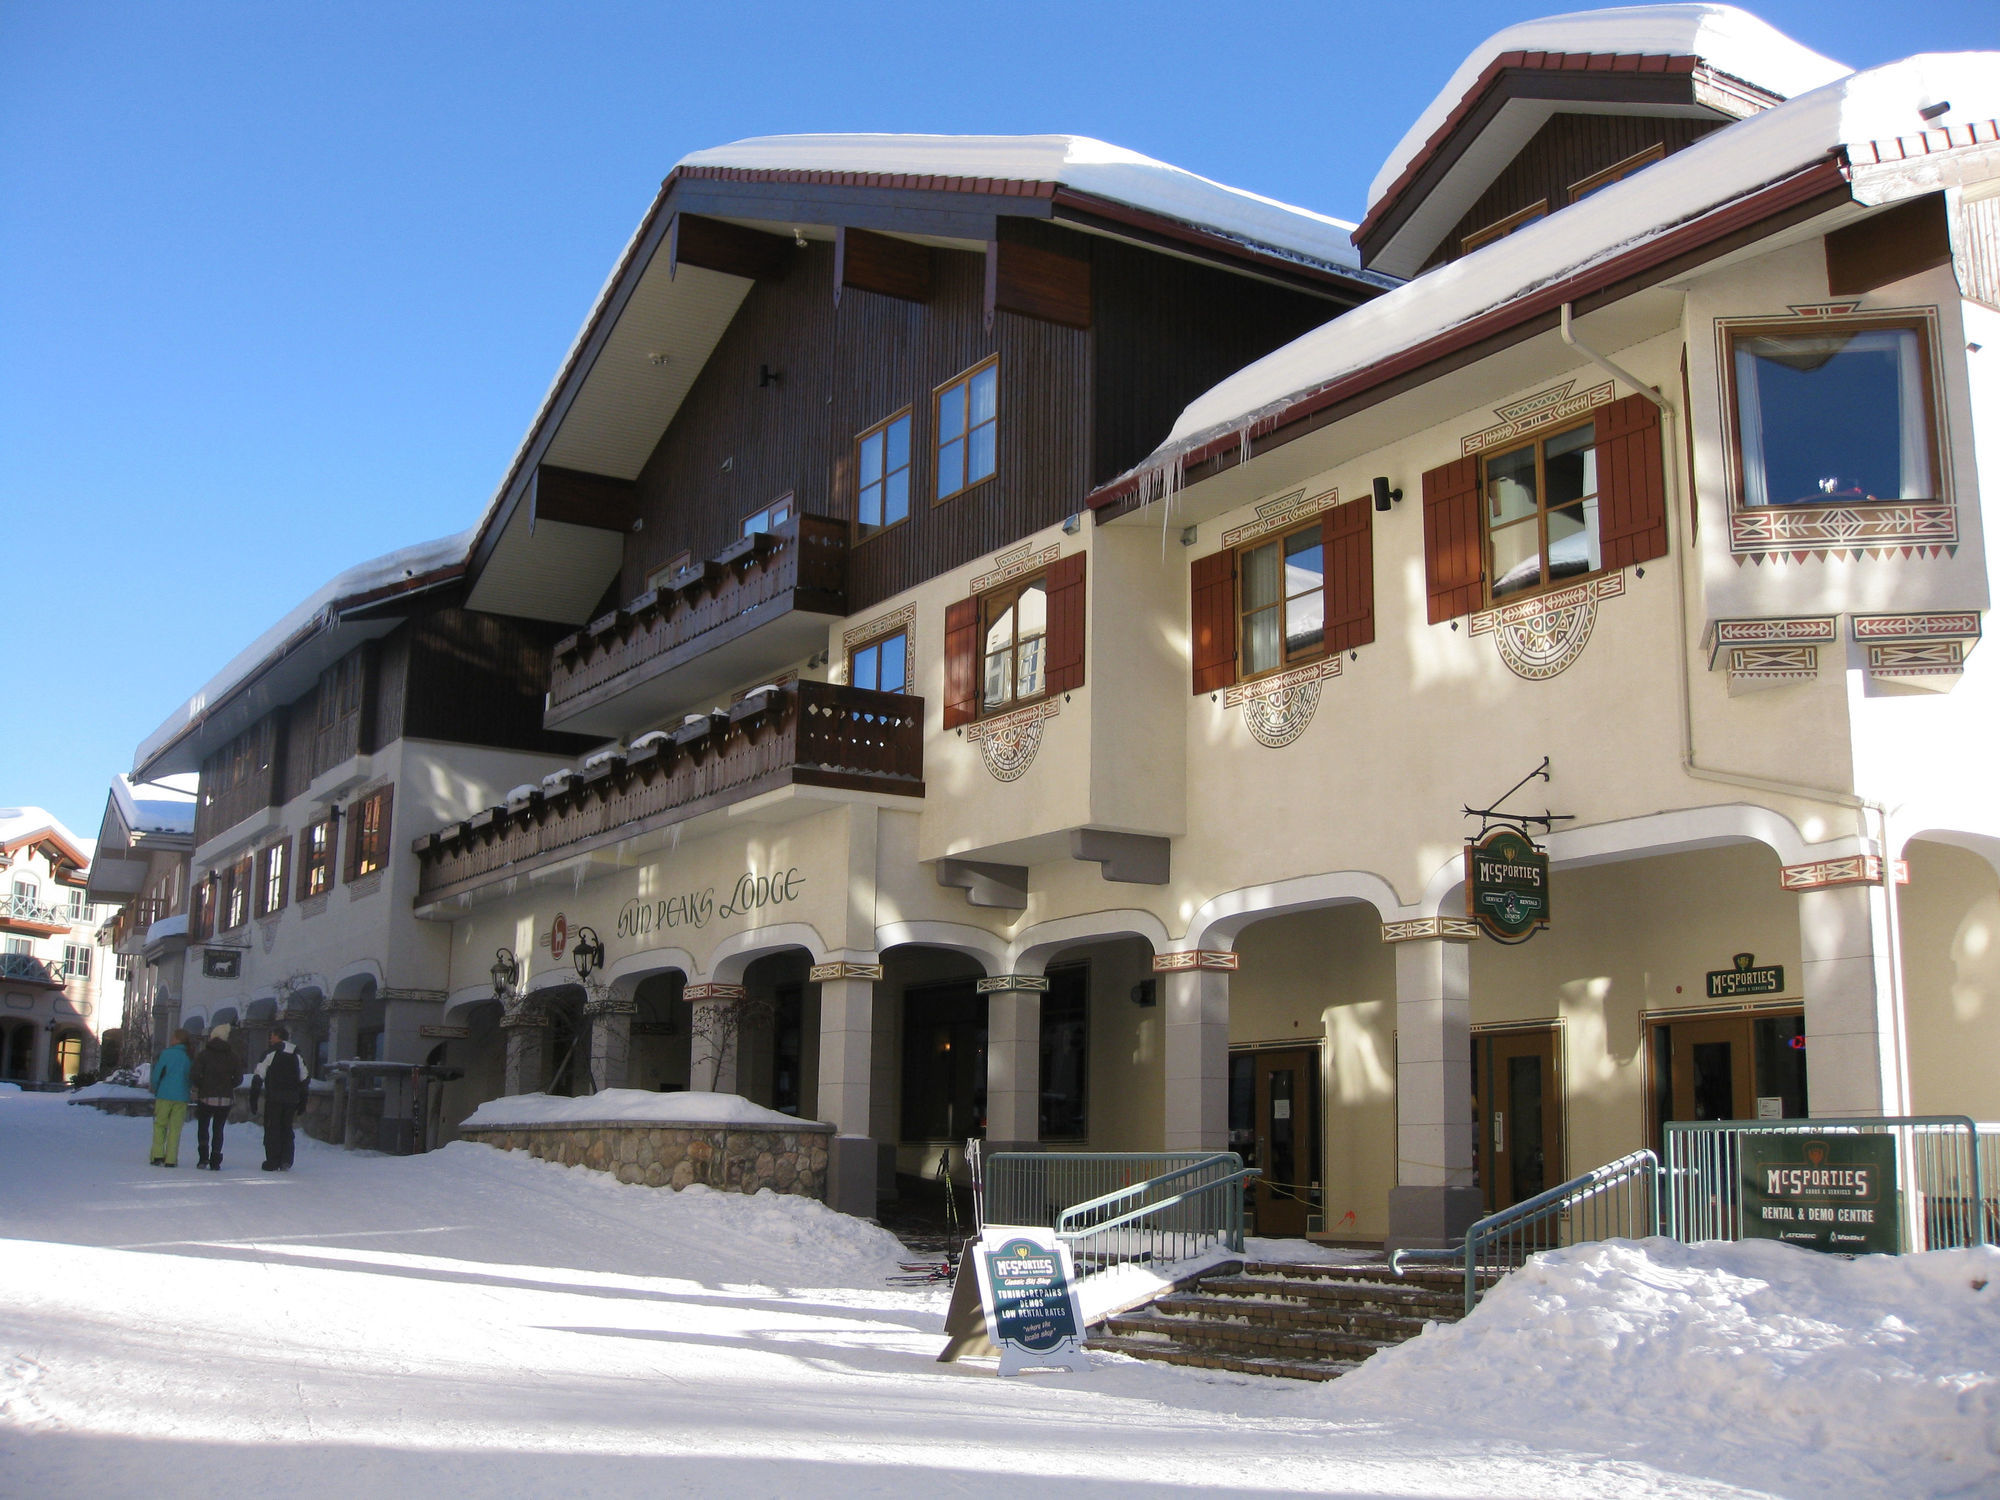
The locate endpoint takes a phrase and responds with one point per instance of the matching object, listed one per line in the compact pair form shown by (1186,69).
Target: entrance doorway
(1517,1113)
(1742,1066)
(1274,1126)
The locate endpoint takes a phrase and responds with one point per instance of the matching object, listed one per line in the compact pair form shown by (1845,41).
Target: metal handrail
(1138,1188)
(1065,1230)
(1547,1208)
(1147,1220)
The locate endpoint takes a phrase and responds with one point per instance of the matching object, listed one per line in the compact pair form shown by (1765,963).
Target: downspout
(1677,545)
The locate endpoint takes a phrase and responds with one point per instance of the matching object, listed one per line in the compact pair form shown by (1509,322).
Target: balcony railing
(801,567)
(804,734)
(15,907)
(25,968)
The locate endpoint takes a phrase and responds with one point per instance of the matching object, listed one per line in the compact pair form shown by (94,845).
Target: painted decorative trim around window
(1008,742)
(1880,529)
(1277,710)
(1853,869)
(1014,563)
(714,992)
(1551,407)
(900,619)
(1542,637)
(825,973)
(1419,929)
(1180,961)
(1769,653)
(1923,650)
(1000,984)
(1276,515)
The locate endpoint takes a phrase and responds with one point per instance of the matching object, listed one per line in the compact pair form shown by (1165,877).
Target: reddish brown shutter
(1065,585)
(1347,537)
(352,818)
(1212,620)
(961,663)
(382,841)
(1631,483)
(284,872)
(300,873)
(1454,539)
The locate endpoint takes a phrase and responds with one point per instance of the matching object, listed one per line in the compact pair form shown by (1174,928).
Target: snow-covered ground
(473,1324)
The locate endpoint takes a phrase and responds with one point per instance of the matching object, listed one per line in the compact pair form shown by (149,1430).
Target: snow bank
(1730,40)
(108,1091)
(629,1107)
(1089,166)
(1882,1371)
(10,1088)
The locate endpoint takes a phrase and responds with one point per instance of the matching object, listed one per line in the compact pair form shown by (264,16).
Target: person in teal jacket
(170,1100)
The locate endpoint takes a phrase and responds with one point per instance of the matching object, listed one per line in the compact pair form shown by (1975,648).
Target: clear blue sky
(282,284)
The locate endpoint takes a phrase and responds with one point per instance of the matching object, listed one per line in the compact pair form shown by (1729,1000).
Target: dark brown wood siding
(480,679)
(1561,154)
(388,681)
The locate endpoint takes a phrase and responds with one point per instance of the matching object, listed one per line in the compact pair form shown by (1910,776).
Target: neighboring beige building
(140,877)
(58,995)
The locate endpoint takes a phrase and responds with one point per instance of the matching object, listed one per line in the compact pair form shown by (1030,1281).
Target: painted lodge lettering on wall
(695,909)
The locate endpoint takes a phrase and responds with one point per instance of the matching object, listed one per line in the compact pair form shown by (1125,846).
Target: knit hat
(219,1032)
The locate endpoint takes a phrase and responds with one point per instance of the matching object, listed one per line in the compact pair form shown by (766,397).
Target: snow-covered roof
(162,810)
(1877,105)
(364,581)
(1730,40)
(22,825)
(1075,161)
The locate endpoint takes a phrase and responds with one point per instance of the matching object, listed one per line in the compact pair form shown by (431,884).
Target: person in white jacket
(281,1079)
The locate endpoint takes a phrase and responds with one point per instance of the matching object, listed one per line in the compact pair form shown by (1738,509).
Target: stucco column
(343,1018)
(1435,1200)
(526,1026)
(1013,1060)
(1194,985)
(1855,1061)
(846,1062)
(610,1017)
(38,1068)
(715,1039)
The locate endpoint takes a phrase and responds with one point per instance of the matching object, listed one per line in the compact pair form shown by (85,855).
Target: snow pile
(1089,166)
(1730,40)
(1757,1360)
(109,1091)
(10,1088)
(628,1106)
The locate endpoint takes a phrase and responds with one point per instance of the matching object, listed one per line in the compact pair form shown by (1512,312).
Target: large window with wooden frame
(273,868)
(882,475)
(1501,228)
(368,833)
(881,665)
(1020,642)
(316,849)
(1284,599)
(771,517)
(235,900)
(1536,514)
(1618,171)
(1832,412)
(967,425)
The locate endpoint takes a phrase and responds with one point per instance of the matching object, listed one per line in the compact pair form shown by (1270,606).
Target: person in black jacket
(212,1081)
(281,1078)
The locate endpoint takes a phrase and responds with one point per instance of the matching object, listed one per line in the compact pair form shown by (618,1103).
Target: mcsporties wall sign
(1507,885)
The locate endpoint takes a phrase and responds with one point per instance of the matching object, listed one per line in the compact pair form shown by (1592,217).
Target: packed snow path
(471,1324)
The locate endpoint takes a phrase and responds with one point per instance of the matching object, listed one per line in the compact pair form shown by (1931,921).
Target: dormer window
(1597,182)
(1512,224)
(1832,413)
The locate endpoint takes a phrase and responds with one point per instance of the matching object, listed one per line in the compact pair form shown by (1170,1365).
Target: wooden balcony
(807,734)
(758,608)
(24,914)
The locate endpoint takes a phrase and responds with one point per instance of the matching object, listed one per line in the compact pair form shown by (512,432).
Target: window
(76,961)
(882,469)
(79,909)
(881,665)
(272,869)
(1014,628)
(340,691)
(662,577)
(968,428)
(1617,172)
(236,893)
(20,945)
(368,834)
(771,517)
(1513,223)
(1542,513)
(316,859)
(122,966)
(1283,600)
(1833,414)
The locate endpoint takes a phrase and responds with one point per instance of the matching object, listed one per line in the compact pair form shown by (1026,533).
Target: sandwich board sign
(1027,1285)
(1832,1192)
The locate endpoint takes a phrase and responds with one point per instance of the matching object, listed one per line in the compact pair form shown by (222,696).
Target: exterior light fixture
(589,954)
(506,972)
(1384,496)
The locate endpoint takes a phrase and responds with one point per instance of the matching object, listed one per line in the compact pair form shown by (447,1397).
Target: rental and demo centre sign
(1832,1192)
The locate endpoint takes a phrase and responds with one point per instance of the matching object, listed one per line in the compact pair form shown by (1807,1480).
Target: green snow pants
(169,1115)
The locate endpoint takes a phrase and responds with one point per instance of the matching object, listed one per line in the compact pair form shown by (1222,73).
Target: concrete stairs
(1306,1322)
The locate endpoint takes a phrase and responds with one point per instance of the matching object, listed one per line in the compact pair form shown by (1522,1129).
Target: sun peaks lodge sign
(696,908)
(1507,885)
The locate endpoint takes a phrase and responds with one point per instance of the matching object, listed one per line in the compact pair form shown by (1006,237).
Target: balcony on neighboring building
(25,914)
(805,734)
(25,968)
(757,609)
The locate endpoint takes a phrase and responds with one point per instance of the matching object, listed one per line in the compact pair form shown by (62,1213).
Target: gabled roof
(1703,61)
(38,828)
(1861,139)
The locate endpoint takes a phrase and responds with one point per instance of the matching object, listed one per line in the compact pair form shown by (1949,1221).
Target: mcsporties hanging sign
(1507,885)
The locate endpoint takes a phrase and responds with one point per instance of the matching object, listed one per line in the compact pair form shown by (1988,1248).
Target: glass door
(1734,1067)
(1517,1114)
(1274,1126)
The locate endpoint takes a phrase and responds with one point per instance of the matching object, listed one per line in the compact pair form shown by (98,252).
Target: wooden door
(1517,1107)
(1713,1069)
(1285,1127)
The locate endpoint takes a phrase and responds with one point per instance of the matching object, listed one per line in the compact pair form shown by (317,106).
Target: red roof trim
(998,187)
(1547,62)
(1800,187)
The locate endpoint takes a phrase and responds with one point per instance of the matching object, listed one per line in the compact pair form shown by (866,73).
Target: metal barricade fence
(1945,1167)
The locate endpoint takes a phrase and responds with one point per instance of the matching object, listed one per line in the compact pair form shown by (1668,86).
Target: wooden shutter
(1454,539)
(961,663)
(1631,483)
(387,797)
(1347,538)
(246,882)
(1065,585)
(1212,620)
(301,871)
(284,872)
(352,819)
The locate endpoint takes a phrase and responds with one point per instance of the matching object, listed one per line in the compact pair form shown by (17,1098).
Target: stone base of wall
(732,1159)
